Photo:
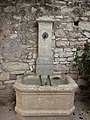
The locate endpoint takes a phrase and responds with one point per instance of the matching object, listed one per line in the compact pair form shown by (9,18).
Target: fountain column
(44,63)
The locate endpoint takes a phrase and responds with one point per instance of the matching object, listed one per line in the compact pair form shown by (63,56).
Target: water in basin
(43,81)
(27,80)
(58,81)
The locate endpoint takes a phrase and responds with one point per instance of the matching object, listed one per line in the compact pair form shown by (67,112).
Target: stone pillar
(44,63)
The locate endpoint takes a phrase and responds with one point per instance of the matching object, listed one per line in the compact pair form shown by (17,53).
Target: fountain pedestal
(44,63)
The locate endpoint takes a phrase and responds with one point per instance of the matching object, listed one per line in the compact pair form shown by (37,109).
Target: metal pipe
(49,80)
(40,80)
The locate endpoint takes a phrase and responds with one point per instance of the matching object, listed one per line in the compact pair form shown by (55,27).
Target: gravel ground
(7,103)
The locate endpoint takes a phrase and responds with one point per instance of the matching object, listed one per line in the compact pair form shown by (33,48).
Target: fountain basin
(36,99)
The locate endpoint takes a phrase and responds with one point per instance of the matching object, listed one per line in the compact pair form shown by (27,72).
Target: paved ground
(82,104)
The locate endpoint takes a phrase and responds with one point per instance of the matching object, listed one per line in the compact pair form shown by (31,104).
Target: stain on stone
(73,113)
(80,117)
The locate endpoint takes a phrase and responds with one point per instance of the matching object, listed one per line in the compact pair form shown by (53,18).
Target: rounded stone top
(45,19)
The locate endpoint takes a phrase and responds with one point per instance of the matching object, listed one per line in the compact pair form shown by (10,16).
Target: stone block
(87,13)
(61,68)
(60,33)
(61,2)
(69,26)
(84,18)
(13,77)
(66,54)
(60,59)
(62,43)
(69,54)
(62,54)
(74,49)
(57,50)
(15,66)
(66,10)
(17,17)
(67,49)
(70,59)
(10,9)
(18,72)
(84,26)
(4,76)
(13,36)
(2,87)
(9,82)
(87,34)
(82,39)
(77,44)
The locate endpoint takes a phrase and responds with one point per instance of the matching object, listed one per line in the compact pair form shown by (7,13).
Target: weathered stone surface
(11,50)
(18,72)
(60,33)
(74,49)
(74,35)
(87,34)
(10,9)
(84,26)
(45,24)
(62,43)
(70,59)
(2,87)
(1,68)
(13,77)
(4,76)
(10,82)
(82,39)
(33,9)
(77,44)
(67,49)
(87,13)
(17,17)
(61,2)
(61,60)
(66,10)
(44,66)
(15,66)
(84,18)
(65,54)
(45,100)
(62,54)
(61,68)
(57,50)
(13,36)
(69,26)
(42,118)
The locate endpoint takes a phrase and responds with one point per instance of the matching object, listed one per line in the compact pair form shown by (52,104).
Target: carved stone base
(35,100)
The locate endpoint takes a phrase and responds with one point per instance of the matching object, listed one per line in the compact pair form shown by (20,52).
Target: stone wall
(18,35)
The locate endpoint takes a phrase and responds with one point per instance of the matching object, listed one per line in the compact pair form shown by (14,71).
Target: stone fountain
(44,94)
